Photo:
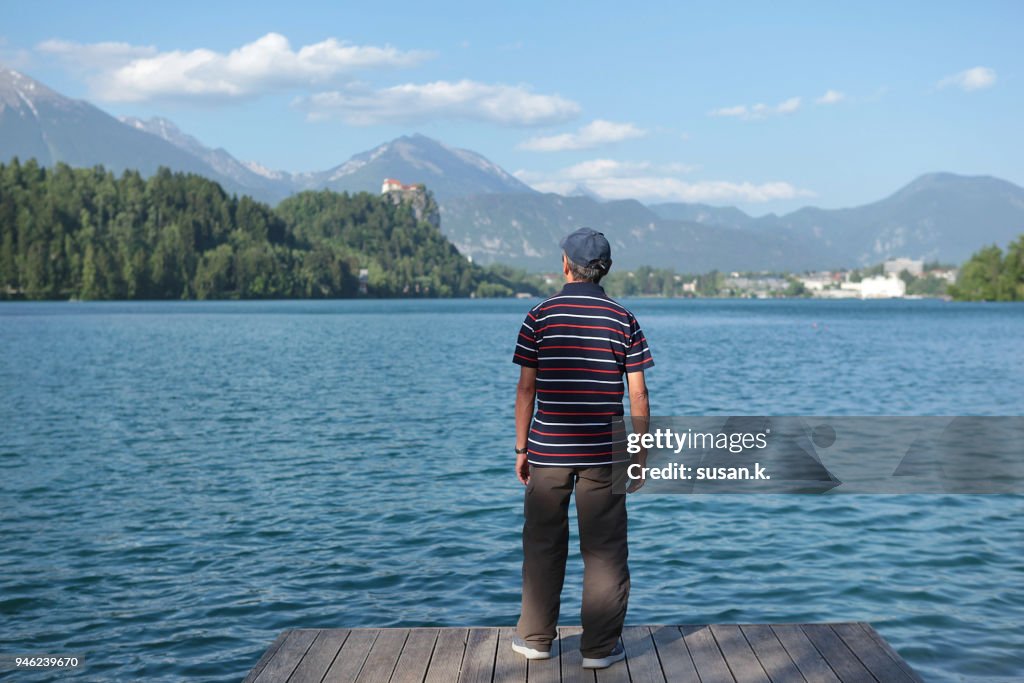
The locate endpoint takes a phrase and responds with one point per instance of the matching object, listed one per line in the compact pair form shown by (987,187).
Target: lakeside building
(848,290)
(821,280)
(897,265)
(879,287)
(947,274)
(757,287)
(835,287)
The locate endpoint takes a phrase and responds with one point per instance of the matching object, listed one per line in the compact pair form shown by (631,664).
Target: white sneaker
(519,645)
(616,655)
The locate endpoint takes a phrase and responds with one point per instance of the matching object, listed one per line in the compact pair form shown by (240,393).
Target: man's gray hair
(585,273)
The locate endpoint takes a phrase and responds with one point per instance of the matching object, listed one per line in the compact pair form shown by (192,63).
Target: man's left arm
(526,395)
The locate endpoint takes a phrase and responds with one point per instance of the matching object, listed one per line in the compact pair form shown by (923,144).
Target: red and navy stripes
(581,343)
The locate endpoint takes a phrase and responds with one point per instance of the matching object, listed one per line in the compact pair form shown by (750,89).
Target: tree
(980,279)
(1012,276)
(796,288)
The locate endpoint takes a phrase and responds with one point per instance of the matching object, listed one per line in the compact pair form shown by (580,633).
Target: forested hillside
(989,275)
(88,234)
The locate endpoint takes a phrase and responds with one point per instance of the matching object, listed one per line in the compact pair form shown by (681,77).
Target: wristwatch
(522,451)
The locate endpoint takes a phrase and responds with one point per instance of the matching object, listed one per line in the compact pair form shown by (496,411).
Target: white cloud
(610,168)
(647,181)
(740,110)
(510,105)
(594,134)
(831,97)
(978,78)
(788,106)
(105,55)
(757,111)
(128,73)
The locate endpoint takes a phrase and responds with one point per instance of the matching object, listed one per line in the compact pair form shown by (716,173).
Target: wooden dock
(719,653)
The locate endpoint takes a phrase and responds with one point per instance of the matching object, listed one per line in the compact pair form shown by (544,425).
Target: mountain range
(493,217)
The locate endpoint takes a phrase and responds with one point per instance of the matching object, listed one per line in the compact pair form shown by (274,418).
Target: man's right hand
(523,468)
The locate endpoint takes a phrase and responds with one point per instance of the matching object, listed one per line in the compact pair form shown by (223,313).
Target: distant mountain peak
(11,78)
(19,91)
(941,182)
(581,190)
(166,129)
(416,158)
(945,179)
(260,169)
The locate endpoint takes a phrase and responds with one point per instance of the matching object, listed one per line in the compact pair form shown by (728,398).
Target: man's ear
(565,264)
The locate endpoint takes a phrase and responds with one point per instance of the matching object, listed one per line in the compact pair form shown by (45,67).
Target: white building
(843,292)
(815,283)
(897,265)
(879,287)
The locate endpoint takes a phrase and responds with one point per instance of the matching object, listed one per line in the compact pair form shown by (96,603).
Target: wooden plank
(887,648)
(804,654)
(760,653)
(676,662)
(509,666)
(320,655)
(384,653)
(478,663)
(707,657)
(875,659)
(353,654)
(616,673)
(415,657)
(839,657)
(546,670)
(267,656)
(773,657)
(641,655)
(446,661)
(570,658)
(288,656)
(739,657)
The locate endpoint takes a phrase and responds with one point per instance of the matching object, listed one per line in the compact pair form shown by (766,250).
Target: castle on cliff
(392,185)
(423,205)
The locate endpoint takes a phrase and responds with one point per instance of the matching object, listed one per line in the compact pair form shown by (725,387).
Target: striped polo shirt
(581,342)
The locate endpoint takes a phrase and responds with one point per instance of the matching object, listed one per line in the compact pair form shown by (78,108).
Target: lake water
(180,481)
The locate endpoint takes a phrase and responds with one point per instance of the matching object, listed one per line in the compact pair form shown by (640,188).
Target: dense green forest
(989,275)
(87,234)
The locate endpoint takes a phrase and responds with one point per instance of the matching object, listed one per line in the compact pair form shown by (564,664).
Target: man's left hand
(636,484)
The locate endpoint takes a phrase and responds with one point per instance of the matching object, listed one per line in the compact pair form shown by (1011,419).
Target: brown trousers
(602,526)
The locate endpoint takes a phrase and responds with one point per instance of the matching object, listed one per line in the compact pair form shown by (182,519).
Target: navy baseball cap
(586,247)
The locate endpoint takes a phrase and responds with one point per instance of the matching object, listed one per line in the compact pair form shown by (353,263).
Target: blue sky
(767,106)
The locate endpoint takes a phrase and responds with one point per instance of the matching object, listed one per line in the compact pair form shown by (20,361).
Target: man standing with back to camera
(574,349)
